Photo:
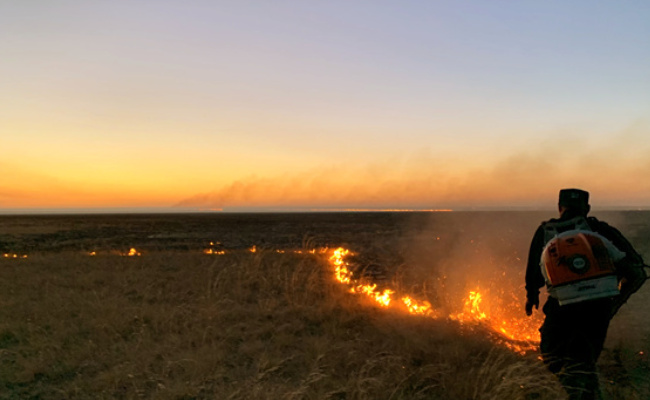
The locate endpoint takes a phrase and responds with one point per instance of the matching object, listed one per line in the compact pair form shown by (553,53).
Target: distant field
(177,323)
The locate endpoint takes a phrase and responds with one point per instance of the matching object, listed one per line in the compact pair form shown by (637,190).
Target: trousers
(572,338)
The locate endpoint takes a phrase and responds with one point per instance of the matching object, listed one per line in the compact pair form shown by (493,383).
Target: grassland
(179,324)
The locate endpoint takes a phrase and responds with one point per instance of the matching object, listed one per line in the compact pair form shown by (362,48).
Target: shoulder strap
(554,227)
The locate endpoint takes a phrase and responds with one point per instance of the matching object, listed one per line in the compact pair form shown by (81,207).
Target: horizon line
(288,210)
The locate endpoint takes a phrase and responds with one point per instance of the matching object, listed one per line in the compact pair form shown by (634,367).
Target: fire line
(516,333)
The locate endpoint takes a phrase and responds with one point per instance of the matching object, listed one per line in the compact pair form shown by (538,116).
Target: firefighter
(574,329)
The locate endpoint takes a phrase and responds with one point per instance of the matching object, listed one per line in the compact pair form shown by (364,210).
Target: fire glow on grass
(508,322)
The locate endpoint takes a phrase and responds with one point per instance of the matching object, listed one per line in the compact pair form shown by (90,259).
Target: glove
(529,305)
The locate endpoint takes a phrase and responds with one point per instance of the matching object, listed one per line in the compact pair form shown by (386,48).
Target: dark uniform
(573,335)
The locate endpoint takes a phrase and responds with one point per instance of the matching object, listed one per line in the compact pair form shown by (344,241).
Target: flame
(92,253)
(344,275)
(505,319)
(382,298)
(341,272)
(507,322)
(132,253)
(471,311)
(253,249)
(416,307)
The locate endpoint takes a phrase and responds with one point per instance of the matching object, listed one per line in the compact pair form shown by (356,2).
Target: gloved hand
(529,306)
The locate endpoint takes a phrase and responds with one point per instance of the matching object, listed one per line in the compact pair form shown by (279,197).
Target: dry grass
(239,326)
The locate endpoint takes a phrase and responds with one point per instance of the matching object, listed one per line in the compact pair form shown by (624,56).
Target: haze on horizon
(253,105)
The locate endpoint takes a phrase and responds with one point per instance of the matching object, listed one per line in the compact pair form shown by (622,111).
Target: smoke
(614,169)
(454,253)
(25,187)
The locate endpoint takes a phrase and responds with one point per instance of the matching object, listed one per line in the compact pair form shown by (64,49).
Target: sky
(338,104)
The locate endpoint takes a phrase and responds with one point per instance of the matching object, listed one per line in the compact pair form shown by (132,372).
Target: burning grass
(243,325)
(507,322)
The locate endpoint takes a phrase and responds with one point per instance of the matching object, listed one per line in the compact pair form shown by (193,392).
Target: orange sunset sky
(255,105)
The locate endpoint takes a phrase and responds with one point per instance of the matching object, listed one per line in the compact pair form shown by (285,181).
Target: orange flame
(344,275)
(132,253)
(517,333)
(382,298)
(253,249)
(341,272)
(471,310)
(416,307)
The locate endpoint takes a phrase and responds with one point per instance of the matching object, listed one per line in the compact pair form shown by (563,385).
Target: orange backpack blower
(578,265)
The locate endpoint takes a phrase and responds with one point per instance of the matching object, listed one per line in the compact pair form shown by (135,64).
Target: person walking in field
(590,270)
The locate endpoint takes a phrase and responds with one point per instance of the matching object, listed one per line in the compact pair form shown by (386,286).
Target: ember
(8,255)
(216,252)
(212,250)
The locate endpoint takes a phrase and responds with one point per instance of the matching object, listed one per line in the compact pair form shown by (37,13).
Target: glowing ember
(216,252)
(10,255)
(312,251)
(211,250)
(92,253)
(508,322)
